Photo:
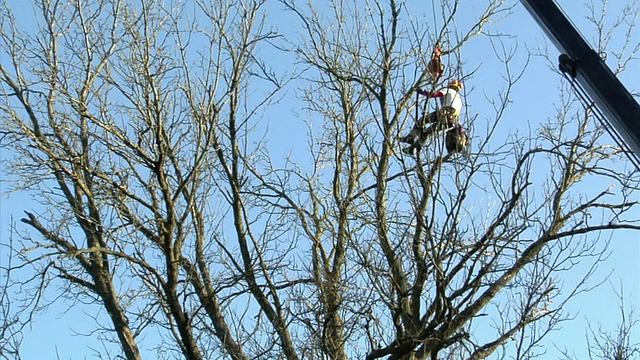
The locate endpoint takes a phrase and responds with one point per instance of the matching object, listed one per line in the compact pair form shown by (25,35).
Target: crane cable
(588,103)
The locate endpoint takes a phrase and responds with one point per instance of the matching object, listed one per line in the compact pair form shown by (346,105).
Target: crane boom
(591,72)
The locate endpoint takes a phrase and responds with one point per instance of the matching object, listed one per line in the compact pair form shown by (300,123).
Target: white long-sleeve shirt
(448,98)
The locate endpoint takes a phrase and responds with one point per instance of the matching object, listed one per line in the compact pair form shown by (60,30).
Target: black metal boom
(591,72)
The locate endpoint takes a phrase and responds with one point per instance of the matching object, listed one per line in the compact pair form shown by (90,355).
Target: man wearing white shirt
(444,118)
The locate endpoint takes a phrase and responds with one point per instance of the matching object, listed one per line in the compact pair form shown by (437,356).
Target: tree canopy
(150,134)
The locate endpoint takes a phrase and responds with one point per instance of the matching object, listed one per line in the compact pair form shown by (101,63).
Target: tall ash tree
(141,130)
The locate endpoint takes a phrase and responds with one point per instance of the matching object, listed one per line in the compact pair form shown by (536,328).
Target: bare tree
(141,130)
(616,345)
(430,266)
(133,140)
(619,345)
(11,323)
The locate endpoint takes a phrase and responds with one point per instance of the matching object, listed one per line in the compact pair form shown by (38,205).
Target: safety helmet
(456,84)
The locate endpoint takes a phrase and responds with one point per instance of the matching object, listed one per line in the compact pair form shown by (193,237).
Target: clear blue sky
(535,94)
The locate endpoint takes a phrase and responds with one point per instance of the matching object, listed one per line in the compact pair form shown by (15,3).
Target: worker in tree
(444,118)
(451,104)
(435,67)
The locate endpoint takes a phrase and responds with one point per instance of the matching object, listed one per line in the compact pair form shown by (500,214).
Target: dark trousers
(442,119)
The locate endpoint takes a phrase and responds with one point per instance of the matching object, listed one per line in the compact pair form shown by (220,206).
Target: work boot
(411,137)
(411,151)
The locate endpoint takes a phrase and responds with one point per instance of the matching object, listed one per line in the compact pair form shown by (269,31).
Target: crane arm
(591,72)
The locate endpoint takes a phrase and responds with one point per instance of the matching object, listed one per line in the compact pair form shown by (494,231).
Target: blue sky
(622,268)
(52,332)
